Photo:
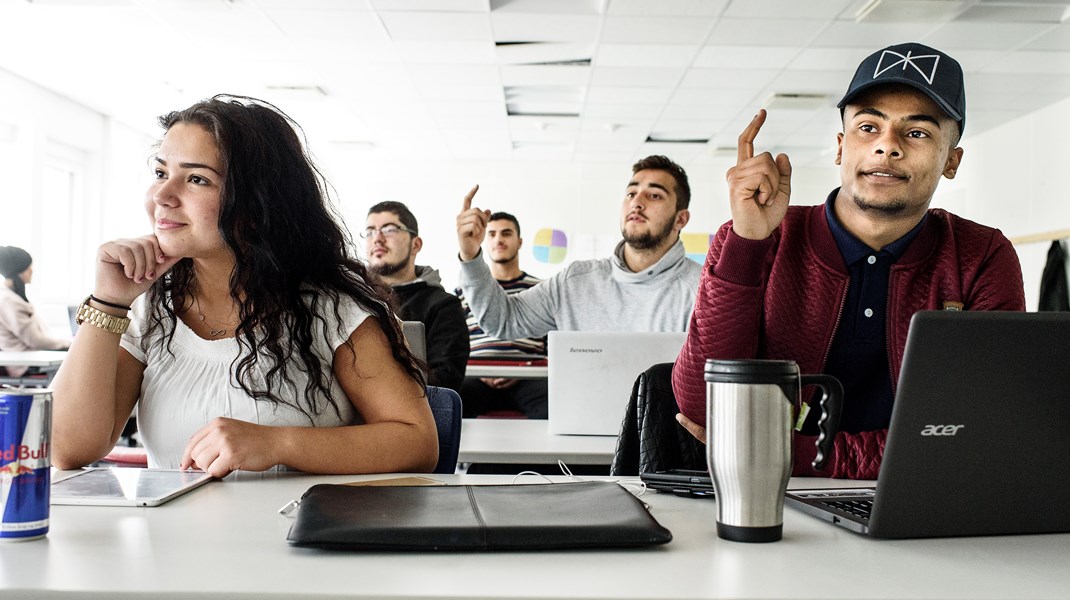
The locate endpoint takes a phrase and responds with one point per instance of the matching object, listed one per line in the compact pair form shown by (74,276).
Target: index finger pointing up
(745,148)
(468,198)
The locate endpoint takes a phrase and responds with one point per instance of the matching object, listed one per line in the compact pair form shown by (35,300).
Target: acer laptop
(591,375)
(979,435)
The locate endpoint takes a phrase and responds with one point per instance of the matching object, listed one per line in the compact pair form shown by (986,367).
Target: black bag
(474,517)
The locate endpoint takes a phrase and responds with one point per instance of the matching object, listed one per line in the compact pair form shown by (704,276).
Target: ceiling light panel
(656,30)
(544,53)
(566,7)
(431,27)
(539,75)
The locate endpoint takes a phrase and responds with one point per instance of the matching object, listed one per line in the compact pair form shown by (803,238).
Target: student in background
(21,329)
(648,284)
(255,339)
(833,286)
(392,241)
(482,395)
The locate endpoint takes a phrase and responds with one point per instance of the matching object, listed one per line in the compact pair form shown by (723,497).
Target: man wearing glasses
(392,241)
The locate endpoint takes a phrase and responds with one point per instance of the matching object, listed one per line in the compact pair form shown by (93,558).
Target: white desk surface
(225,540)
(512,372)
(529,441)
(44,359)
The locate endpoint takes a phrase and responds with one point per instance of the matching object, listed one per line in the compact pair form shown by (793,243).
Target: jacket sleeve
(854,455)
(998,282)
(726,320)
(525,314)
(447,343)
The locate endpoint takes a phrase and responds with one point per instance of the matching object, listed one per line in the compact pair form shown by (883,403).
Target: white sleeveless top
(185,388)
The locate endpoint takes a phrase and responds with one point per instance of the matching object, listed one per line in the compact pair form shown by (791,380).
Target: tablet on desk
(121,486)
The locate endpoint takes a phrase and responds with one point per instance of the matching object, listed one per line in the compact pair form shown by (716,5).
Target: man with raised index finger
(833,286)
(648,284)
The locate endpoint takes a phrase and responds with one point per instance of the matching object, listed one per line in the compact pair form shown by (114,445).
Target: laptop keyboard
(858,508)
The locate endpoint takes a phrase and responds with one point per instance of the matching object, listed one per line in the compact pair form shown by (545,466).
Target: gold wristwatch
(101,319)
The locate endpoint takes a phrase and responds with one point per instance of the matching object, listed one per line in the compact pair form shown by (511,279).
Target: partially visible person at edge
(833,286)
(21,329)
(648,284)
(256,341)
(392,242)
(482,395)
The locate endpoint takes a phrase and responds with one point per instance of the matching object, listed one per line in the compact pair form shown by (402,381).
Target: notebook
(591,375)
(979,435)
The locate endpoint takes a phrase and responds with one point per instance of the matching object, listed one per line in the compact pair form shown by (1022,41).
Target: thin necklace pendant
(218,332)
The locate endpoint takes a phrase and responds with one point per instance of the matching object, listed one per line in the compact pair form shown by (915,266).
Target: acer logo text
(941,429)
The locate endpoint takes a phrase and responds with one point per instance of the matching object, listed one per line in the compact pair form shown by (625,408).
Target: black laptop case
(474,517)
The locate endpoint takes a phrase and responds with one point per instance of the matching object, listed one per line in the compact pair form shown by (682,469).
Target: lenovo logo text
(585,350)
(941,429)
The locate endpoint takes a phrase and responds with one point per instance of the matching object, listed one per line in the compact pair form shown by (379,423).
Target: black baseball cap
(925,69)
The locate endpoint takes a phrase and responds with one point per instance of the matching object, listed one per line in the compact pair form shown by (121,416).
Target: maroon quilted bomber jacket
(782,297)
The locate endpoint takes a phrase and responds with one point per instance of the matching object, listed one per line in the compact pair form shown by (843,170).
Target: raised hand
(758,186)
(471,227)
(127,268)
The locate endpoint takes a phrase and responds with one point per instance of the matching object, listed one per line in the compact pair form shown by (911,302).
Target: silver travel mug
(751,408)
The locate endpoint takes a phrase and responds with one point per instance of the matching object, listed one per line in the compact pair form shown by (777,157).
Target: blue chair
(446,406)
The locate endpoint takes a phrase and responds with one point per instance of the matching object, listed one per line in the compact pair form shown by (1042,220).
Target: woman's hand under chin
(127,268)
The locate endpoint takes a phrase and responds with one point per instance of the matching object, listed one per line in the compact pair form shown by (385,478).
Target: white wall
(1012,177)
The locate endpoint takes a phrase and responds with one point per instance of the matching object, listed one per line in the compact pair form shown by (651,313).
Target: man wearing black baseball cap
(833,286)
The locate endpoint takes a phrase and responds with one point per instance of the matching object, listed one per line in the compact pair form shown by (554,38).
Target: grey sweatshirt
(588,295)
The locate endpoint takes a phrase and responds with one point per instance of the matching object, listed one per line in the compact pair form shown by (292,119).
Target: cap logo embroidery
(891,59)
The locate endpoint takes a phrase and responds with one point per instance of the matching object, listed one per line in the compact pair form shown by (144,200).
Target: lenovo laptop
(591,375)
(979,437)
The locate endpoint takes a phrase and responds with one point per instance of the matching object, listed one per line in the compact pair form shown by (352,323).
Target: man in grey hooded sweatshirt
(392,241)
(648,284)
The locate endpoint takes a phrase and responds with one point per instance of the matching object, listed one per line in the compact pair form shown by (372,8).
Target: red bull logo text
(25,437)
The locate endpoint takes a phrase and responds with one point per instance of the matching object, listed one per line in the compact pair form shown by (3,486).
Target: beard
(502,260)
(648,240)
(385,269)
(894,208)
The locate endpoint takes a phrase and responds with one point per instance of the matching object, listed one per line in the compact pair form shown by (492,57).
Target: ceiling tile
(744,57)
(642,55)
(830,59)
(867,37)
(627,95)
(636,76)
(765,32)
(428,5)
(728,78)
(1057,38)
(544,75)
(709,97)
(620,111)
(655,30)
(445,53)
(824,9)
(1054,63)
(983,36)
(563,7)
(454,75)
(518,27)
(429,26)
(667,8)
(329,24)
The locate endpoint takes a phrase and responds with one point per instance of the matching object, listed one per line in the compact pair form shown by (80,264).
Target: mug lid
(750,368)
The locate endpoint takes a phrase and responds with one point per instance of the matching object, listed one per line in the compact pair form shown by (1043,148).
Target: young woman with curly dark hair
(256,339)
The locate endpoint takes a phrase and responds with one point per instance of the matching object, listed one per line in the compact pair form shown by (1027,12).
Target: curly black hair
(293,259)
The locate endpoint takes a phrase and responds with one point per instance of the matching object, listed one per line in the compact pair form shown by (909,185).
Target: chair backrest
(650,438)
(415,337)
(446,406)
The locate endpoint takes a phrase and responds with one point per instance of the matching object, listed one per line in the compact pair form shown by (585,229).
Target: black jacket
(441,313)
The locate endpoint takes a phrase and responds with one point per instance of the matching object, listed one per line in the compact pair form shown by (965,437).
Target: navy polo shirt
(859,354)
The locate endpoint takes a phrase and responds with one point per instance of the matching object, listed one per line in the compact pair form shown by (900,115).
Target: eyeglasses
(386,231)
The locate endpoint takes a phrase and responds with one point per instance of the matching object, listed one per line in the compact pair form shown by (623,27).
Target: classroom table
(46,361)
(529,441)
(507,371)
(226,540)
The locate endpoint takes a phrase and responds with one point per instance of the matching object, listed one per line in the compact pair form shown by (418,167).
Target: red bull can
(25,463)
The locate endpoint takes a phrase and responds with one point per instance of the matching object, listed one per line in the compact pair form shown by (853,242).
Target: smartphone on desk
(682,482)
